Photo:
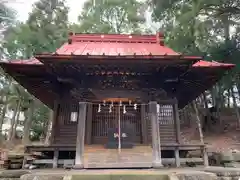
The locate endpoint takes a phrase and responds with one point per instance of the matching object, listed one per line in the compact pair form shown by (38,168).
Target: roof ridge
(124,38)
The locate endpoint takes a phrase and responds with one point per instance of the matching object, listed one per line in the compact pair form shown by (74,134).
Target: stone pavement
(211,173)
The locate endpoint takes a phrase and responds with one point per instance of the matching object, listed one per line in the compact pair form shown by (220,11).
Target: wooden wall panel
(55,121)
(166,124)
(65,130)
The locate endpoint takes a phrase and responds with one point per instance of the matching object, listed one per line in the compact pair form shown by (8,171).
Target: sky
(23,7)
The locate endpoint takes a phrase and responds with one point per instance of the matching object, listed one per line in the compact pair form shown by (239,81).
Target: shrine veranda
(100,86)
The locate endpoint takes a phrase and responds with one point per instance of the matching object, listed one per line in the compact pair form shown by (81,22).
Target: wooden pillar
(178,133)
(205,156)
(157,161)
(89,124)
(80,135)
(54,122)
(177,156)
(55,158)
(144,125)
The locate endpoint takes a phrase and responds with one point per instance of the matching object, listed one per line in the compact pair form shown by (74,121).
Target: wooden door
(104,120)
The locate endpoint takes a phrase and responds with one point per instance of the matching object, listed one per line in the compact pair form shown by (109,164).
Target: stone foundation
(211,173)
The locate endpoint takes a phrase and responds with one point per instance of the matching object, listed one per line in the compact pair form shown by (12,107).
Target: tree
(206,28)
(45,30)
(198,120)
(18,43)
(111,16)
(28,122)
(40,117)
(205,22)
(48,23)
(5,91)
(49,127)
(7,16)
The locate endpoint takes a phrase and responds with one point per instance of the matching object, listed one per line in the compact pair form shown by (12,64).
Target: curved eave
(199,79)
(32,77)
(213,64)
(165,59)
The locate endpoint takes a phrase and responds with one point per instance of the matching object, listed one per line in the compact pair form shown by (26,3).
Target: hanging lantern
(130,102)
(104,103)
(110,108)
(120,103)
(112,103)
(135,106)
(99,108)
(124,109)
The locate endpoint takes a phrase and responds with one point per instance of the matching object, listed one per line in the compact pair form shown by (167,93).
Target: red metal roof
(115,44)
(128,38)
(114,49)
(112,46)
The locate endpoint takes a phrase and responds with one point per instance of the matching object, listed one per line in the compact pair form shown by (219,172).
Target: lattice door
(132,118)
(104,120)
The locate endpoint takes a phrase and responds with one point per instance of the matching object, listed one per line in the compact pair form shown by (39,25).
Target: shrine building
(116,100)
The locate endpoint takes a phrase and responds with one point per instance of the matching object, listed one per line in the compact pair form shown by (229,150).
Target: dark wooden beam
(117,82)
(91,66)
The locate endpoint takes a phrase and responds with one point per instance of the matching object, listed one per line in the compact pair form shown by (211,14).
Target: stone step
(99,155)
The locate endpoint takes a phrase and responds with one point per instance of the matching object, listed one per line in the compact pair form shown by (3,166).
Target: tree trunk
(49,128)
(10,133)
(198,121)
(4,111)
(207,111)
(235,107)
(226,22)
(213,94)
(15,125)
(27,124)
(220,103)
(238,90)
(229,97)
(205,100)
